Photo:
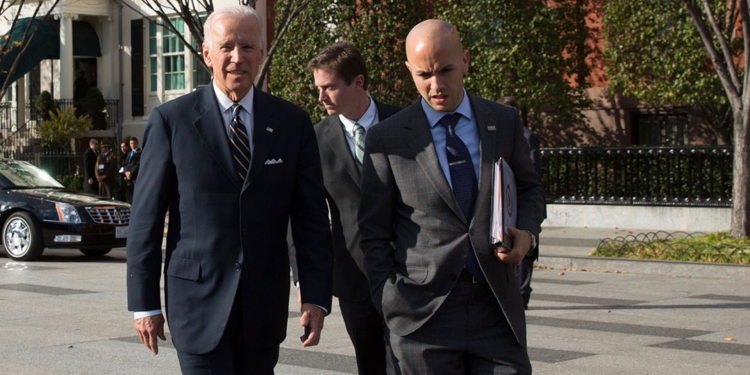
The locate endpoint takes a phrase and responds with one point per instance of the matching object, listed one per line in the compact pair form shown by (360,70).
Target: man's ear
(407,66)
(206,55)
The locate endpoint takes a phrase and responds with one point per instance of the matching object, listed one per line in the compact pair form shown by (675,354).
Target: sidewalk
(569,248)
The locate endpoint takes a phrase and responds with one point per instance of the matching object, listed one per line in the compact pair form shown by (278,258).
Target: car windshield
(21,174)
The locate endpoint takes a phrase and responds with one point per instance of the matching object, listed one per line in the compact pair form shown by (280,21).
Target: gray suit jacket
(414,235)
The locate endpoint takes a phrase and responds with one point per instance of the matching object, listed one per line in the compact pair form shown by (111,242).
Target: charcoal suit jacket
(413,233)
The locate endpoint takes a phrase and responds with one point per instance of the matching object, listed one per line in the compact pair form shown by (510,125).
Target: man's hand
(149,328)
(314,316)
(91,181)
(521,244)
(127,175)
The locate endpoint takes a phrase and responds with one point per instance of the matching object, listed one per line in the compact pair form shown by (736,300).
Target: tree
(12,46)
(534,51)
(504,60)
(378,29)
(638,32)
(194,12)
(728,64)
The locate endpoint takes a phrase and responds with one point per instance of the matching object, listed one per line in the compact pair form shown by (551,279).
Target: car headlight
(67,213)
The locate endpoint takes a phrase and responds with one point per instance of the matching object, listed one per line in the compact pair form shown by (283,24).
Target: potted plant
(93,104)
(44,105)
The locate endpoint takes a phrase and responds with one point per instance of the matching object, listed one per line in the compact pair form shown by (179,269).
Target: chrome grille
(109,215)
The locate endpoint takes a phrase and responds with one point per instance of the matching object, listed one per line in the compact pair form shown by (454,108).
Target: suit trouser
(232,356)
(468,334)
(369,336)
(523,274)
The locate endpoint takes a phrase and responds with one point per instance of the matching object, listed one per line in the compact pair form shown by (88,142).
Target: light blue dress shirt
(466,129)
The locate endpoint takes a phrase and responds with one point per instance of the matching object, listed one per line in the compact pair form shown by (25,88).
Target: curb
(648,267)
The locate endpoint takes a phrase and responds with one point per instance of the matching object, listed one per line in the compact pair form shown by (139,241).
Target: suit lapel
(263,134)
(486,126)
(419,137)
(336,140)
(210,127)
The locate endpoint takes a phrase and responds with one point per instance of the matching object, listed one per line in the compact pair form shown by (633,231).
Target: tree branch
(728,56)
(732,91)
(288,18)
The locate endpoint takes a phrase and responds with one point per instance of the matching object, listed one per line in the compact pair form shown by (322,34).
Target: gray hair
(233,11)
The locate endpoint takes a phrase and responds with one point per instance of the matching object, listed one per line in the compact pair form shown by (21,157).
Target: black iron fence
(659,176)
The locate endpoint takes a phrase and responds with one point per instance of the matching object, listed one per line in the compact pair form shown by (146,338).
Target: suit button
(238,267)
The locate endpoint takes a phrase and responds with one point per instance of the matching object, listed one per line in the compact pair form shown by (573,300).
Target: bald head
(432,33)
(437,62)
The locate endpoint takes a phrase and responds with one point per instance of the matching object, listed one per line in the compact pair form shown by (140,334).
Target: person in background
(132,165)
(526,268)
(122,183)
(106,170)
(90,183)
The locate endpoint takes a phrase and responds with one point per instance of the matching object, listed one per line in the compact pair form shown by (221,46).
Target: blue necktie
(463,179)
(240,143)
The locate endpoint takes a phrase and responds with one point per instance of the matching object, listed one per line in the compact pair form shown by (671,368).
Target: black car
(37,212)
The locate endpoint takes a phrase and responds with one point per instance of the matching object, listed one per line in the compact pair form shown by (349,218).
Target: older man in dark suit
(450,300)
(233,165)
(341,77)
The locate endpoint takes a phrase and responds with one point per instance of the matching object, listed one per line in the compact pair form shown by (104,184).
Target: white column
(20,97)
(106,67)
(66,57)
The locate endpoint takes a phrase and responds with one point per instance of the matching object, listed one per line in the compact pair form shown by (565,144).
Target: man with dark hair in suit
(90,183)
(341,77)
(233,165)
(132,165)
(526,268)
(451,301)
(122,183)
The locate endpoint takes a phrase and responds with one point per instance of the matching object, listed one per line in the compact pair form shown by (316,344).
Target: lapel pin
(491,128)
(270,130)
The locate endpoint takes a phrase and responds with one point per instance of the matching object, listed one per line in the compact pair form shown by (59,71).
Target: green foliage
(533,52)
(517,48)
(44,104)
(71,181)
(93,101)
(378,30)
(713,248)
(653,52)
(62,126)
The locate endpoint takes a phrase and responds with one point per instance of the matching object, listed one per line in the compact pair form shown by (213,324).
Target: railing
(106,120)
(658,176)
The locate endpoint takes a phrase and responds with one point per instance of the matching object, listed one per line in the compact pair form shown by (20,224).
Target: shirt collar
(434,116)
(226,103)
(367,120)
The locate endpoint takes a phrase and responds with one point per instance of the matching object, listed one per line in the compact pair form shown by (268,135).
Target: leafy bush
(71,181)
(712,248)
(62,126)
(93,101)
(44,104)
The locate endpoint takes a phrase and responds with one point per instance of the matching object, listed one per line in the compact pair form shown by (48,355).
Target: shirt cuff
(143,314)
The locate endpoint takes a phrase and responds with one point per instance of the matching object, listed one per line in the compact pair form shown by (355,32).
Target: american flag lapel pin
(491,128)
(270,130)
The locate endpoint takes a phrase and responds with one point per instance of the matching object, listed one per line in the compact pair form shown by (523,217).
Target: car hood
(70,197)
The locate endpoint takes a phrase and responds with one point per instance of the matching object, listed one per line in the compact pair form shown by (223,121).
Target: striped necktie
(463,179)
(240,143)
(359,145)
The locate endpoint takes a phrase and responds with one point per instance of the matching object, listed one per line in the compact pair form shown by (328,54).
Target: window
(152,52)
(174,57)
(660,129)
(201,76)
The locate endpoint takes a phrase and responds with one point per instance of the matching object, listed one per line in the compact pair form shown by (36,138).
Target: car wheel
(96,252)
(22,237)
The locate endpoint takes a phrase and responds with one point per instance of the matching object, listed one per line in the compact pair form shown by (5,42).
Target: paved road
(66,314)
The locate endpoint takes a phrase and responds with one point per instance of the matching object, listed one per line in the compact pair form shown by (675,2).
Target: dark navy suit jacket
(225,233)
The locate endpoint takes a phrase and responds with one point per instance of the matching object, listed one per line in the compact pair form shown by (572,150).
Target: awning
(46,45)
